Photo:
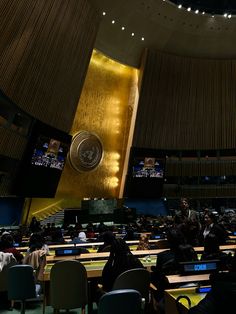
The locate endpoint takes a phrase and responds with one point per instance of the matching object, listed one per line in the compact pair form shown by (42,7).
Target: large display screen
(49,153)
(148,167)
(43,161)
(145,175)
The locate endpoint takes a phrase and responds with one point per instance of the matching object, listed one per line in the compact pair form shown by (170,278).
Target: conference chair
(4,274)
(125,301)
(68,286)
(21,284)
(137,279)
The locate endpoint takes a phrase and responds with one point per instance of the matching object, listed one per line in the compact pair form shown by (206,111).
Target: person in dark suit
(210,226)
(187,220)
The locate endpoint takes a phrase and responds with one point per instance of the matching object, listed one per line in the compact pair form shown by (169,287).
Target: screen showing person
(148,167)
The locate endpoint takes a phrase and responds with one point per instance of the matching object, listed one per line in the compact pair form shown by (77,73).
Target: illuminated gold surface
(105,108)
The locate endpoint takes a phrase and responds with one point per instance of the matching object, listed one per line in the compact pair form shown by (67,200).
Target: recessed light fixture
(123,28)
(225,15)
(142,38)
(197,11)
(113,21)
(180,6)
(188,9)
(104,13)
(229,16)
(203,13)
(132,34)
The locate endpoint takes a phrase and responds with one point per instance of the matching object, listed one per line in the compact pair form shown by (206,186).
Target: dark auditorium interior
(117,156)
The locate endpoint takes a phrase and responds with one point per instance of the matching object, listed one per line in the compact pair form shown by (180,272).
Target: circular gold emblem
(86,151)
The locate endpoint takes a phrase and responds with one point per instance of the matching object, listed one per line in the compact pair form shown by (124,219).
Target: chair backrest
(4,274)
(21,283)
(137,278)
(68,285)
(123,301)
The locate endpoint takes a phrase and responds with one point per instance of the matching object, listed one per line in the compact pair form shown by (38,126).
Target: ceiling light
(197,11)
(188,9)
(213,16)
(123,28)
(229,16)
(225,15)
(142,38)
(103,13)
(180,6)
(203,13)
(132,34)
(113,21)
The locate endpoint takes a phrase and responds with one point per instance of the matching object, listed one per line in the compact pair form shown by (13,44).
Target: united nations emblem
(86,151)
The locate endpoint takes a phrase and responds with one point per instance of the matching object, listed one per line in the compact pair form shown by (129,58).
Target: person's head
(82,236)
(209,218)
(108,237)
(36,241)
(175,238)
(184,203)
(7,241)
(119,248)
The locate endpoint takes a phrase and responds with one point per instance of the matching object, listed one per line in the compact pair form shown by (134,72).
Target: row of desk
(104,255)
(94,263)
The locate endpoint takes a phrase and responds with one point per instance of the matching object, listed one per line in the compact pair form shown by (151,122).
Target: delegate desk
(100,255)
(84,244)
(184,279)
(105,255)
(172,294)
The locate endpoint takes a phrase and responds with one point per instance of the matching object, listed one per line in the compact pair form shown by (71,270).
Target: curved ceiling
(164,27)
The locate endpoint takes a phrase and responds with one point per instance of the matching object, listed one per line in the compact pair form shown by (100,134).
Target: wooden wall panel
(45,48)
(186,103)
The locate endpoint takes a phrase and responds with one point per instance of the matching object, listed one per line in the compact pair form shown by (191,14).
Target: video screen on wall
(43,162)
(145,173)
(148,167)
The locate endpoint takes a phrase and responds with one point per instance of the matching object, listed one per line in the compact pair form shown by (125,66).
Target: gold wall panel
(105,108)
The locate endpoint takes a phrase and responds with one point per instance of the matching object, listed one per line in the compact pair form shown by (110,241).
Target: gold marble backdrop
(105,108)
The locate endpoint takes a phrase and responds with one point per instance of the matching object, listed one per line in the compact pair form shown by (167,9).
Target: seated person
(120,260)
(108,238)
(36,255)
(6,260)
(143,242)
(78,237)
(221,298)
(90,234)
(7,246)
(37,241)
(212,251)
(167,262)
